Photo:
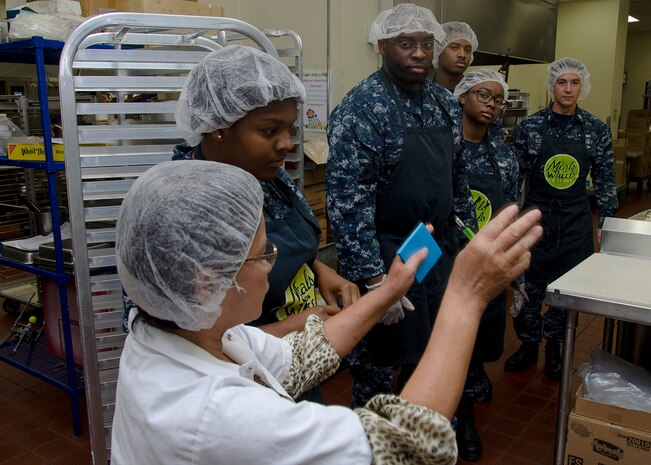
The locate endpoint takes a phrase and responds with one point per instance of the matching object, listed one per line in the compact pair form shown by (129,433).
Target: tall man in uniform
(558,147)
(454,54)
(392,164)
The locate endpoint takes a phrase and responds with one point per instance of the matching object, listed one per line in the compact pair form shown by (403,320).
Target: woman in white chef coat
(197,386)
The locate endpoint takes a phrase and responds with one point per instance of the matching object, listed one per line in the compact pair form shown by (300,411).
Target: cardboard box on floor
(630,418)
(601,433)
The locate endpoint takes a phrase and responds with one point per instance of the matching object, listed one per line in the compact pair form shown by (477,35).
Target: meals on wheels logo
(483,207)
(561,171)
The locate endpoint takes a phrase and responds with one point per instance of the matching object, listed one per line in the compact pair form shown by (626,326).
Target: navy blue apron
(297,237)
(421,191)
(557,187)
(488,192)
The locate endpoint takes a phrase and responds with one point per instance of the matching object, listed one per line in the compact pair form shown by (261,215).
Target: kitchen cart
(142,74)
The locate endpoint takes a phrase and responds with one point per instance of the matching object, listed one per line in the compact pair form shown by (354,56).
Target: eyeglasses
(270,254)
(485,97)
(412,45)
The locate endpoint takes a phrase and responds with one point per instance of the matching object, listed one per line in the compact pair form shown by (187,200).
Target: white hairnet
(228,84)
(404,18)
(185,227)
(473,78)
(455,30)
(568,65)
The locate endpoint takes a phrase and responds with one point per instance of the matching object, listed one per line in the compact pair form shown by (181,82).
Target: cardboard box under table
(600,434)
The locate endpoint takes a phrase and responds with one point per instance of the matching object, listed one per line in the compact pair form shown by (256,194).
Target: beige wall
(351,57)
(591,31)
(527,78)
(638,68)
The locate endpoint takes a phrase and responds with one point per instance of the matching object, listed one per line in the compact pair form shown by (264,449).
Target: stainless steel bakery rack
(138,71)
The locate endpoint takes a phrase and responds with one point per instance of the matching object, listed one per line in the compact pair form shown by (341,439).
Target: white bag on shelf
(53,27)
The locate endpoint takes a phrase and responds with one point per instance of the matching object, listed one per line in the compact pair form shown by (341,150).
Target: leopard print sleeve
(313,358)
(403,433)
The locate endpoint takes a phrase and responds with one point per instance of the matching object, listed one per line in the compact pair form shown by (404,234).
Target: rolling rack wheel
(12,307)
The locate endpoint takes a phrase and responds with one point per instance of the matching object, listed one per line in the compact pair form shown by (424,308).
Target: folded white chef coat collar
(187,353)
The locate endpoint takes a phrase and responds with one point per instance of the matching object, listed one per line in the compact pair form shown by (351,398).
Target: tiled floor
(517,426)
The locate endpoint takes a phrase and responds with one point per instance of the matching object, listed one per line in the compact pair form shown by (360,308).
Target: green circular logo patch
(483,207)
(561,171)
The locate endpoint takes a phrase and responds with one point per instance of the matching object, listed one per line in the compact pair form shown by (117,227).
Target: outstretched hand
(401,274)
(497,254)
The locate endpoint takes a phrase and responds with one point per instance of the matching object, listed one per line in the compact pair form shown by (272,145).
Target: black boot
(553,360)
(526,355)
(468,440)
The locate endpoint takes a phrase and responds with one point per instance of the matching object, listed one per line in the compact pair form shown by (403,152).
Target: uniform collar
(579,115)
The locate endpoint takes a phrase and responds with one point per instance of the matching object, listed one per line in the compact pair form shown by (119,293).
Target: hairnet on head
(473,78)
(455,30)
(183,232)
(404,18)
(229,83)
(568,65)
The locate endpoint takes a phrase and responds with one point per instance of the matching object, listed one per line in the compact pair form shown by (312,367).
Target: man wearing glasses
(391,164)
(558,147)
(493,177)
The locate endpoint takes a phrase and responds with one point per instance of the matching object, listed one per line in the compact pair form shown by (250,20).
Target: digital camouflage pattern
(527,141)
(530,326)
(366,140)
(507,163)
(478,387)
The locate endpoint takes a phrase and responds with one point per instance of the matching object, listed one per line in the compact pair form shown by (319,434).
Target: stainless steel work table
(615,283)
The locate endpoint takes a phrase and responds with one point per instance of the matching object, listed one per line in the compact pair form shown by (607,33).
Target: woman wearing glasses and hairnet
(198,386)
(238,106)
(494,180)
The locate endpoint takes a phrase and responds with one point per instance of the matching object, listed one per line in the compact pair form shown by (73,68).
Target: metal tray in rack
(18,255)
(47,259)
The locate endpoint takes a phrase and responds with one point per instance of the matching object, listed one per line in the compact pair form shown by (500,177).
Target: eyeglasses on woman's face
(485,97)
(270,254)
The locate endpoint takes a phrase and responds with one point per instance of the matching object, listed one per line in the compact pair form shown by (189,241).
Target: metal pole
(566,381)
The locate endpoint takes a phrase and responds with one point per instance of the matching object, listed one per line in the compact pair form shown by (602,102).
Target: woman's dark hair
(159,323)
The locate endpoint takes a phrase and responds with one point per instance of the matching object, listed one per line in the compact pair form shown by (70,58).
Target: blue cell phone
(419,238)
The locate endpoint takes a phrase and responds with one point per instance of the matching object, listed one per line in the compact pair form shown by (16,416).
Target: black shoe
(468,440)
(553,360)
(526,355)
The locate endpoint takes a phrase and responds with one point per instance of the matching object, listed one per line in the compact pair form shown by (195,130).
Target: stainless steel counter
(611,284)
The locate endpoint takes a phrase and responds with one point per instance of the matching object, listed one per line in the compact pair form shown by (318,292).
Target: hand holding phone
(420,238)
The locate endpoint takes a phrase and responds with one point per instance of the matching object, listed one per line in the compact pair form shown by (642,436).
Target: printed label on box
(33,152)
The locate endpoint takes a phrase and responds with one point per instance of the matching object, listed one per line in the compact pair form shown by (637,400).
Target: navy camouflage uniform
(365,135)
(490,337)
(527,141)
